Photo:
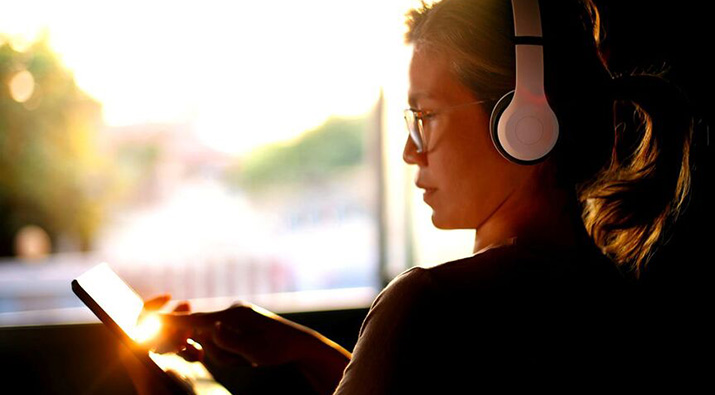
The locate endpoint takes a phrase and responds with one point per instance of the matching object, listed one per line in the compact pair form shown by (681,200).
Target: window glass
(215,151)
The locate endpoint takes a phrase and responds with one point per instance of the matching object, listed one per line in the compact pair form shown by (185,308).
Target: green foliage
(319,154)
(50,172)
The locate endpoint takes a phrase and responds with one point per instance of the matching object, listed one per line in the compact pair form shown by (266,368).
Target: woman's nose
(410,154)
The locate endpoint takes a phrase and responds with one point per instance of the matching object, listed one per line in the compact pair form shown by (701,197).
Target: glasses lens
(414,128)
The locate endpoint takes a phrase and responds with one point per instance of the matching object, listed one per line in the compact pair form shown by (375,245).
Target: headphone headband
(527,19)
(524,129)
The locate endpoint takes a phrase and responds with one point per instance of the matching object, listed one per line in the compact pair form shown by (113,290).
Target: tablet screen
(118,300)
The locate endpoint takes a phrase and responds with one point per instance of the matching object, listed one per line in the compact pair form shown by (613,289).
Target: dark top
(513,315)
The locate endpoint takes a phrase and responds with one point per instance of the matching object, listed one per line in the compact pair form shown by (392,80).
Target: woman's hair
(624,138)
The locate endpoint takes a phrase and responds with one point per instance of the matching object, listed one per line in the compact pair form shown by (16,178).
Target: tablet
(118,306)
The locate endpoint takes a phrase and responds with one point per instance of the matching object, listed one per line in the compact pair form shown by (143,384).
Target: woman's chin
(440,222)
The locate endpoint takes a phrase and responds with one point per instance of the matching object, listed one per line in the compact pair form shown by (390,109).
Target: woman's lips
(429,192)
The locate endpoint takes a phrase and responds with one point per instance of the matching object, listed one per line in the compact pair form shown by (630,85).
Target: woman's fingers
(179,327)
(218,356)
(192,322)
(173,339)
(182,307)
(229,339)
(237,316)
(192,351)
(258,347)
(157,302)
(259,336)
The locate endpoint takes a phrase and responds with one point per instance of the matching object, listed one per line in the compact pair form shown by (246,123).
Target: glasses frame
(414,119)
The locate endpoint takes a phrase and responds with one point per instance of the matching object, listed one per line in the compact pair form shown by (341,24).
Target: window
(230,151)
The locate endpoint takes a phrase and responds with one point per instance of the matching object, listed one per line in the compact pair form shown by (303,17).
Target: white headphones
(523,127)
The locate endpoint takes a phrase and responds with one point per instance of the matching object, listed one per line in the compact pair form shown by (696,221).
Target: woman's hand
(250,349)
(143,382)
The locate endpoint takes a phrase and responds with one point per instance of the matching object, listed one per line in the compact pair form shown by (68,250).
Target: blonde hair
(625,138)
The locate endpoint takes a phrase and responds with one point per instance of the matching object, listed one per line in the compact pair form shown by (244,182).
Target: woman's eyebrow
(413,97)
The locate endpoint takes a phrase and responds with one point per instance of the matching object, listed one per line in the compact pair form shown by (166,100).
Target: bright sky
(243,73)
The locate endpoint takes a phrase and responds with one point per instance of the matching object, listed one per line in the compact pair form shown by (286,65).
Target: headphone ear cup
(497,112)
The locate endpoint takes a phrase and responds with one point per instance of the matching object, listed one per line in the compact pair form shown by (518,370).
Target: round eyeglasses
(415,121)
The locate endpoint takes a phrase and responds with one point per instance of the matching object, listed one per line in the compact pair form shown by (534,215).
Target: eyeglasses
(414,119)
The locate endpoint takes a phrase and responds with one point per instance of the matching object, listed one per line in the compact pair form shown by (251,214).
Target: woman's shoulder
(509,276)
(524,265)
(404,289)
(516,267)
(484,266)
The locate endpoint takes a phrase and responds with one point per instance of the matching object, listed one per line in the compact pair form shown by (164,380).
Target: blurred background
(209,150)
(225,150)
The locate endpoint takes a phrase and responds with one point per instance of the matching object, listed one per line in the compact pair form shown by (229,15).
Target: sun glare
(241,73)
(147,328)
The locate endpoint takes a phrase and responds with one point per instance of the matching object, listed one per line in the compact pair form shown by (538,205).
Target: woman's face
(464,177)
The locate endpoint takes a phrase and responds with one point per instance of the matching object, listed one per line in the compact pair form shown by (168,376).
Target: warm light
(194,372)
(245,73)
(22,85)
(147,328)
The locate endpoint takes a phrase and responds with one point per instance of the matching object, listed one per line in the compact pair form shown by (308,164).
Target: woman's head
(464,177)
(477,39)
(467,45)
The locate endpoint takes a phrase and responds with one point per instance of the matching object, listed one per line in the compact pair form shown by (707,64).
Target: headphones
(523,127)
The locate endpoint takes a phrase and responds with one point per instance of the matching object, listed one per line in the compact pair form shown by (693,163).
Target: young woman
(546,295)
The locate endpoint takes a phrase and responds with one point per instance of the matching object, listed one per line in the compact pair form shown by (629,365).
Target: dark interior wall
(645,35)
(82,359)
(63,359)
(677,283)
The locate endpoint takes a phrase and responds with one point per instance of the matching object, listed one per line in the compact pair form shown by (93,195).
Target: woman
(546,295)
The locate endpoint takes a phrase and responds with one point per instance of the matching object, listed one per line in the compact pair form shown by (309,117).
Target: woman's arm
(246,338)
(379,360)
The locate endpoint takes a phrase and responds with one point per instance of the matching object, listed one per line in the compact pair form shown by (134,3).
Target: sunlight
(146,328)
(241,73)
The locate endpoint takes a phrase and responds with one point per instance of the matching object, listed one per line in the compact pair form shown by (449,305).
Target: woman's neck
(549,217)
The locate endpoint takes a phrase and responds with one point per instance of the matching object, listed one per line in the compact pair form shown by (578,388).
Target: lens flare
(147,328)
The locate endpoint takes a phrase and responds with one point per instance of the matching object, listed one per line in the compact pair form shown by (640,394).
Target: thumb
(182,307)
(157,302)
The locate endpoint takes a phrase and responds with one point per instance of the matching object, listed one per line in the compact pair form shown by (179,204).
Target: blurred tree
(319,154)
(51,174)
